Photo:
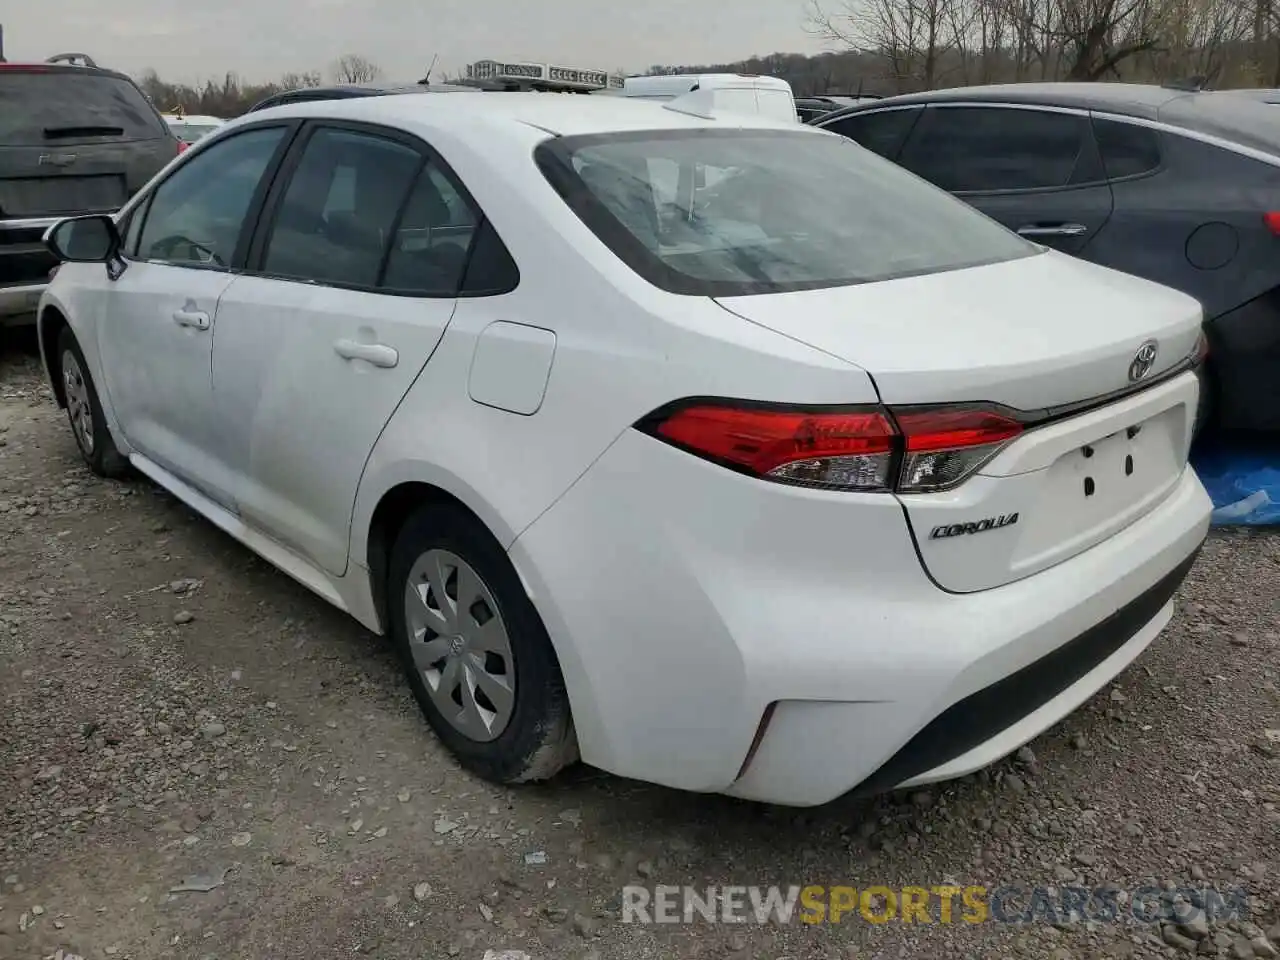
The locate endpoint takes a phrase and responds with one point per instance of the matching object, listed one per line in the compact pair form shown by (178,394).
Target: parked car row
(665,437)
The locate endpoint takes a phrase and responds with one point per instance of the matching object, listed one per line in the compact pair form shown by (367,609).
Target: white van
(728,92)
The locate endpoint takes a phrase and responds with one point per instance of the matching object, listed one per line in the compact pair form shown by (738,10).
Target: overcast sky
(261,39)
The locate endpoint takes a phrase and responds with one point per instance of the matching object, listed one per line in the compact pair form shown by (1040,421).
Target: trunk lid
(1038,334)
(74,140)
(1035,332)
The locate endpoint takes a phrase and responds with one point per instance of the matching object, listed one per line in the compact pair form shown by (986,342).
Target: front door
(1035,170)
(157,330)
(353,285)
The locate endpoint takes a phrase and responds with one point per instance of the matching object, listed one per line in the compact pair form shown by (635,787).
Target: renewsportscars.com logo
(941,903)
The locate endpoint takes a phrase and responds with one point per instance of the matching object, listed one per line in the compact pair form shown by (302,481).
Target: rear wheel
(477,656)
(84,411)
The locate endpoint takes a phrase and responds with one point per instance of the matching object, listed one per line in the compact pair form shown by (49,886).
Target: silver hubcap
(79,407)
(460,645)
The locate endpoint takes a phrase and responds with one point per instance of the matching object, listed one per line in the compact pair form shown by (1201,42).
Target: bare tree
(353,68)
(294,81)
(912,36)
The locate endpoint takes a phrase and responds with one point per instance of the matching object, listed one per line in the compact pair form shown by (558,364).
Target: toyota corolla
(718,452)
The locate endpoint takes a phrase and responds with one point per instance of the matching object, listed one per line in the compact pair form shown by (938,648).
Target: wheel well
(395,507)
(52,323)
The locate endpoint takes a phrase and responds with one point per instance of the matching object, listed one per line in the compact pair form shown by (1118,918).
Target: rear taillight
(182,146)
(1272,220)
(944,447)
(844,449)
(869,449)
(1200,352)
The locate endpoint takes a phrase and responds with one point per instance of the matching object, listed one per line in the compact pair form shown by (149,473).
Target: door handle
(196,319)
(1053,230)
(379,354)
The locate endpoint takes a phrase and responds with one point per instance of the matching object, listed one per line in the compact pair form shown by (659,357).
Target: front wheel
(84,411)
(477,655)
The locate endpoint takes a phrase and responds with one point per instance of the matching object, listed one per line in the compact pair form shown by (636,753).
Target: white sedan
(826,484)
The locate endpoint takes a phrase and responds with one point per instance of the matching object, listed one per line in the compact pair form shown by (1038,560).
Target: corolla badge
(1143,361)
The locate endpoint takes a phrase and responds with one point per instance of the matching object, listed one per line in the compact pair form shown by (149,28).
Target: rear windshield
(734,212)
(191,132)
(70,106)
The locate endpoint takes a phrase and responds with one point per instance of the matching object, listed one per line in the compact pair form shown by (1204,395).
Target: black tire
(100,454)
(538,740)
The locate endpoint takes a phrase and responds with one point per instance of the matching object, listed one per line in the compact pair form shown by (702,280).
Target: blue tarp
(1244,482)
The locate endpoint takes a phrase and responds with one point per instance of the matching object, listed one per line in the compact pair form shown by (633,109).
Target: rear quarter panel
(623,348)
(1196,225)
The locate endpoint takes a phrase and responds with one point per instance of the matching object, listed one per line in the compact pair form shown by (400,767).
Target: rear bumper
(25,264)
(18,303)
(990,724)
(688,603)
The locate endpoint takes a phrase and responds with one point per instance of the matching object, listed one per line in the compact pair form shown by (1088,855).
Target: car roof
(1245,117)
(375,89)
(63,68)
(1135,99)
(558,114)
(352,90)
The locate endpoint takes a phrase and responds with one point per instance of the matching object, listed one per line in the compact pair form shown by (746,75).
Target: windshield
(72,105)
(736,212)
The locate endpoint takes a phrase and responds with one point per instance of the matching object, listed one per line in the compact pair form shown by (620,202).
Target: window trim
(1089,141)
(428,156)
(143,201)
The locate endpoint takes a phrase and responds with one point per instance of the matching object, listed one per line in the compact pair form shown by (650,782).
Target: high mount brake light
(867,449)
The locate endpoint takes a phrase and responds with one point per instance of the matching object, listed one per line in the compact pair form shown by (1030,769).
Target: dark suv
(74,138)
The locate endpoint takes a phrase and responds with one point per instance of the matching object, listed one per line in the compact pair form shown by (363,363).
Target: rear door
(353,278)
(75,140)
(1036,170)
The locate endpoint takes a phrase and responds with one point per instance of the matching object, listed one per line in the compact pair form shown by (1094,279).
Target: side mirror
(92,239)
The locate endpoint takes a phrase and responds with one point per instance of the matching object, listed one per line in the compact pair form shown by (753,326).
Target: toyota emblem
(1143,361)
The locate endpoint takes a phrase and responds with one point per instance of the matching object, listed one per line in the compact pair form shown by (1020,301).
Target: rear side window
(1127,149)
(340,208)
(429,249)
(60,107)
(731,212)
(965,149)
(880,130)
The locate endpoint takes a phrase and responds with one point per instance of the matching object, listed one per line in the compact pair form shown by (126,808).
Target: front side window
(965,149)
(196,216)
(734,212)
(339,211)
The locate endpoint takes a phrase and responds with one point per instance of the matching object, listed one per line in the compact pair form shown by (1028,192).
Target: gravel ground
(173,712)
